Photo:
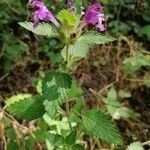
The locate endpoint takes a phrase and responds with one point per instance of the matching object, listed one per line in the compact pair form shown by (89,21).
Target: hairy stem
(67,54)
(67,110)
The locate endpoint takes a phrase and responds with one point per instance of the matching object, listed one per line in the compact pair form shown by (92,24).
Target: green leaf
(122,112)
(55,89)
(119,27)
(135,146)
(80,48)
(112,94)
(67,18)
(55,57)
(75,91)
(56,86)
(29,108)
(12,146)
(51,107)
(79,105)
(16,98)
(98,124)
(40,134)
(55,139)
(44,29)
(71,138)
(13,50)
(77,147)
(96,38)
(145,30)
(112,102)
(29,143)
(132,64)
(124,94)
(11,134)
(75,110)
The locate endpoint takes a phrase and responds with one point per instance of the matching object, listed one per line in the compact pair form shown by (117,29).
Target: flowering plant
(60,97)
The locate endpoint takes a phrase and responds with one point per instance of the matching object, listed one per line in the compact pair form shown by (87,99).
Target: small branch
(67,109)
(4,76)
(146,143)
(2,51)
(13,9)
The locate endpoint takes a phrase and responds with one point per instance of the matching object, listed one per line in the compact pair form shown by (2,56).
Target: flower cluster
(91,16)
(42,13)
(70,2)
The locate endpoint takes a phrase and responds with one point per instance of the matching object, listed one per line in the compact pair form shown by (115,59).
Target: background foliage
(25,56)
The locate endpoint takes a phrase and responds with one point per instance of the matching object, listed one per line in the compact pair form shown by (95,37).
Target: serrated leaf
(66,18)
(73,117)
(44,29)
(77,147)
(55,57)
(16,98)
(98,124)
(12,146)
(75,90)
(135,146)
(80,48)
(56,86)
(55,89)
(96,38)
(133,64)
(29,143)
(112,102)
(55,139)
(112,94)
(39,134)
(79,105)
(71,138)
(11,134)
(145,30)
(123,112)
(29,108)
(130,65)
(124,94)
(51,108)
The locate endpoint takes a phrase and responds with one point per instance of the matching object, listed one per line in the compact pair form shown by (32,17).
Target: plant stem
(67,103)
(67,54)
(67,109)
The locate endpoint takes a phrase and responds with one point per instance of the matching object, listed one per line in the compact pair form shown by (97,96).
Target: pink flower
(42,13)
(73,10)
(70,2)
(93,16)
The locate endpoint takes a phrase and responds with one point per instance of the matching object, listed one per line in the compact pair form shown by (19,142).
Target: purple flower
(93,16)
(73,10)
(42,13)
(69,2)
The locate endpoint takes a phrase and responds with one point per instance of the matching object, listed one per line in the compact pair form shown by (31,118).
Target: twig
(146,143)
(4,76)
(132,50)
(106,87)
(5,143)
(2,51)
(13,9)
(67,109)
